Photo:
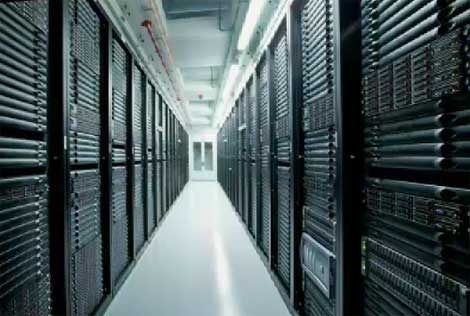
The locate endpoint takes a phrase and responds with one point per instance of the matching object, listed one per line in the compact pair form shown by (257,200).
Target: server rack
(320,128)
(170,158)
(67,162)
(85,130)
(175,149)
(159,159)
(265,156)
(410,136)
(252,158)
(242,150)
(415,94)
(171,163)
(246,174)
(164,157)
(25,195)
(309,157)
(281,167)
(120,241)
(140,183)
(149,159)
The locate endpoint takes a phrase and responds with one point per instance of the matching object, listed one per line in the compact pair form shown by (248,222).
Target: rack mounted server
(359,172)
(82,175)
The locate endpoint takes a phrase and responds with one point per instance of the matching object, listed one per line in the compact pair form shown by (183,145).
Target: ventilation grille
(284,205)
(84,84)
(139,106)
(120,228)
(151,197)
(319,135)
(120,97)
(86,258)
(415,96)
(25,279)
(139,218)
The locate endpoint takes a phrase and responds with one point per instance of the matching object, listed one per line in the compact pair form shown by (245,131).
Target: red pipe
(148,25)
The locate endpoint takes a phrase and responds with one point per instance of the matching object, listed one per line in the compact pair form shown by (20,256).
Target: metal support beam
(144,161)
(130,160)
(58,156)
(295,119)
(106,153)
(347,37)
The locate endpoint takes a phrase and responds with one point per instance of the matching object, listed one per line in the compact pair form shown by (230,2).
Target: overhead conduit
(149,27)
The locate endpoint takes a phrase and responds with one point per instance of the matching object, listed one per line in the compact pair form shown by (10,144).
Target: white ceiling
(200,50)
(196,38)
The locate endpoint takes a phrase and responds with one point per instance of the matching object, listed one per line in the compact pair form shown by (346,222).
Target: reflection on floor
(200,263)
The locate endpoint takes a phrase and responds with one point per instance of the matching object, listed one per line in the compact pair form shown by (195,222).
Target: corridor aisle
(200,263)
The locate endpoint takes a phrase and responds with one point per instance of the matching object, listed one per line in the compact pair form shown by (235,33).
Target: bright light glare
(230,82)
(252,16)
(229,85)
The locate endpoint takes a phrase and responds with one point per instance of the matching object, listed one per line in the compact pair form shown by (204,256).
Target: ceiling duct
(228,11)
(225,10)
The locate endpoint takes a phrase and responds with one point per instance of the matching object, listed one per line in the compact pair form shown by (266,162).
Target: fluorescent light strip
(272,27)
(251,20)
(225,96)
(230,81)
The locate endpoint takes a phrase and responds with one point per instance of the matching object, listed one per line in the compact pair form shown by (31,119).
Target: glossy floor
(200,263)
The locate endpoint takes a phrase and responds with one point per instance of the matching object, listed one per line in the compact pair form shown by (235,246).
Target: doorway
(203,160)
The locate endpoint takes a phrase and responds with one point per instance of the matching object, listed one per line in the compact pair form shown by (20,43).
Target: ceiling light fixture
(226,92)
(252,16)
(229,82)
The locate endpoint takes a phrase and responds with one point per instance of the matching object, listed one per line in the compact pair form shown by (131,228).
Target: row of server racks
(347,157)
(91,158)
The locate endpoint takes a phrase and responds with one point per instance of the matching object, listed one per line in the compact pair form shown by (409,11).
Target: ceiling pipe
(148,25)
(116,15)
(172,65)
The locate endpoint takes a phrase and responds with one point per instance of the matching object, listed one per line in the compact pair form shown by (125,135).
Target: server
(140,184)
(361,108)
(320,136)
(252,158)
(25,281)
(265,156)
(415,95)
(80,142)
(120,204)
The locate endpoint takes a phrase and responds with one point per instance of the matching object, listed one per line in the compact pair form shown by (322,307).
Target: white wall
(206,134)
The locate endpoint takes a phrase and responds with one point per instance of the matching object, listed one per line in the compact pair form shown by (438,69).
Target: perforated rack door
(265,157)
(150,158)
(120,73)
(319,140)
(84,92)
(282,149)
(120,197)
(253,155)
(415,99)
(151,196)
(164,143)
(86,242)
(241,133)
(25,284)
(139,218)
(84,84)
(139,108)
(120,229)
(25,287)
(281,98)
(160,177)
